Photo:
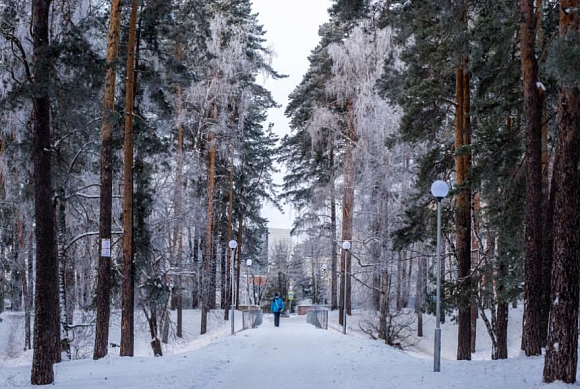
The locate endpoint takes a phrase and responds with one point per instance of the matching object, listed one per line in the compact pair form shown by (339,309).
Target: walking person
(277,307)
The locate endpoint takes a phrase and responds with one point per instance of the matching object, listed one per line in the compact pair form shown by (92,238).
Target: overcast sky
(292,32)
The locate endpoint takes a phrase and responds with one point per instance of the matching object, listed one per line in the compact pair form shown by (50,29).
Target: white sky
(292,32)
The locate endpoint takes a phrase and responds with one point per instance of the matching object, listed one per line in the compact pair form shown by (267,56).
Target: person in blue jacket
(277,307)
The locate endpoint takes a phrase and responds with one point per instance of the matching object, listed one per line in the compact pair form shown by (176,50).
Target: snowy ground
(295,355)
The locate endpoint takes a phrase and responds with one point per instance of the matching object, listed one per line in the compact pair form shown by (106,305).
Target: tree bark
(463,211)
(207,260)
(62,265)
(46,323)
(531,340)
(562,347)
(419,295)
(104,277)
(239,258)
(347,212)
(333,241)
(502,330)
(28,300)
(399,280)
(229,235)
(127,316)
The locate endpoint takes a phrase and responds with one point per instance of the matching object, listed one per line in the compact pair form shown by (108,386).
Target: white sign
(106,248)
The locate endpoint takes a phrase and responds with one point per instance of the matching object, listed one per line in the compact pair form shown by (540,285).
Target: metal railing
(318,317)
(252,318)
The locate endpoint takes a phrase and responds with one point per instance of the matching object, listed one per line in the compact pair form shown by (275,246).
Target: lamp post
(233,245)
(345,247)
(439,190)
(248,264)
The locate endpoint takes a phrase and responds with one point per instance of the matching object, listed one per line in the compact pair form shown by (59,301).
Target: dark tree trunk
(347,214)
(238,263)
(46,323)
(463,213)
(502,330)
(208,251)
(531,340)
(473,325)
(228,257)
(333,241)
(28,298)
(547,259)
(104,277)
(399,280)
(419,295)
(562,347)
(152,321)
(127,316)
(179,331)
(384,304)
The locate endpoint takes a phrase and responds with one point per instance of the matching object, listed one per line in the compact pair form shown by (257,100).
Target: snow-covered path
(295,355)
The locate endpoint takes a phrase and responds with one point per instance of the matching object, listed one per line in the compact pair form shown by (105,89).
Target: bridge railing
(318,317)
(252,318)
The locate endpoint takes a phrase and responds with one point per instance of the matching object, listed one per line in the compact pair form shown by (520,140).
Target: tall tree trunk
(547,257)
(463,212)
(531,340)
(562,348)
(229,235)
(127,316)
(547,203)
(207,260)
(178,228)
(104,278)
(347,212)
(239,258)
(333,241)
(46,323)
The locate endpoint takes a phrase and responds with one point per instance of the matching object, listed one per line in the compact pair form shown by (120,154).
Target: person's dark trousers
(277,319)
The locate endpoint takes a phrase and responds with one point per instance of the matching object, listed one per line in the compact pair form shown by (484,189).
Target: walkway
(294,356)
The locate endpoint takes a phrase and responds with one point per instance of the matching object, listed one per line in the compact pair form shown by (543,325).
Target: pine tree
(127,319)
(531,339)
(46,323)
(562,347)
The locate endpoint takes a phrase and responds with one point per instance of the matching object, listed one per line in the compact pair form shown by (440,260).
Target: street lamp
(233,245)
(439,190)
(248,264)
(345,247)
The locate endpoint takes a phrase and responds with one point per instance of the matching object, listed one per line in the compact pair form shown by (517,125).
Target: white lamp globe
(439,189)
(346,245)
(233,244)
(249,262)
